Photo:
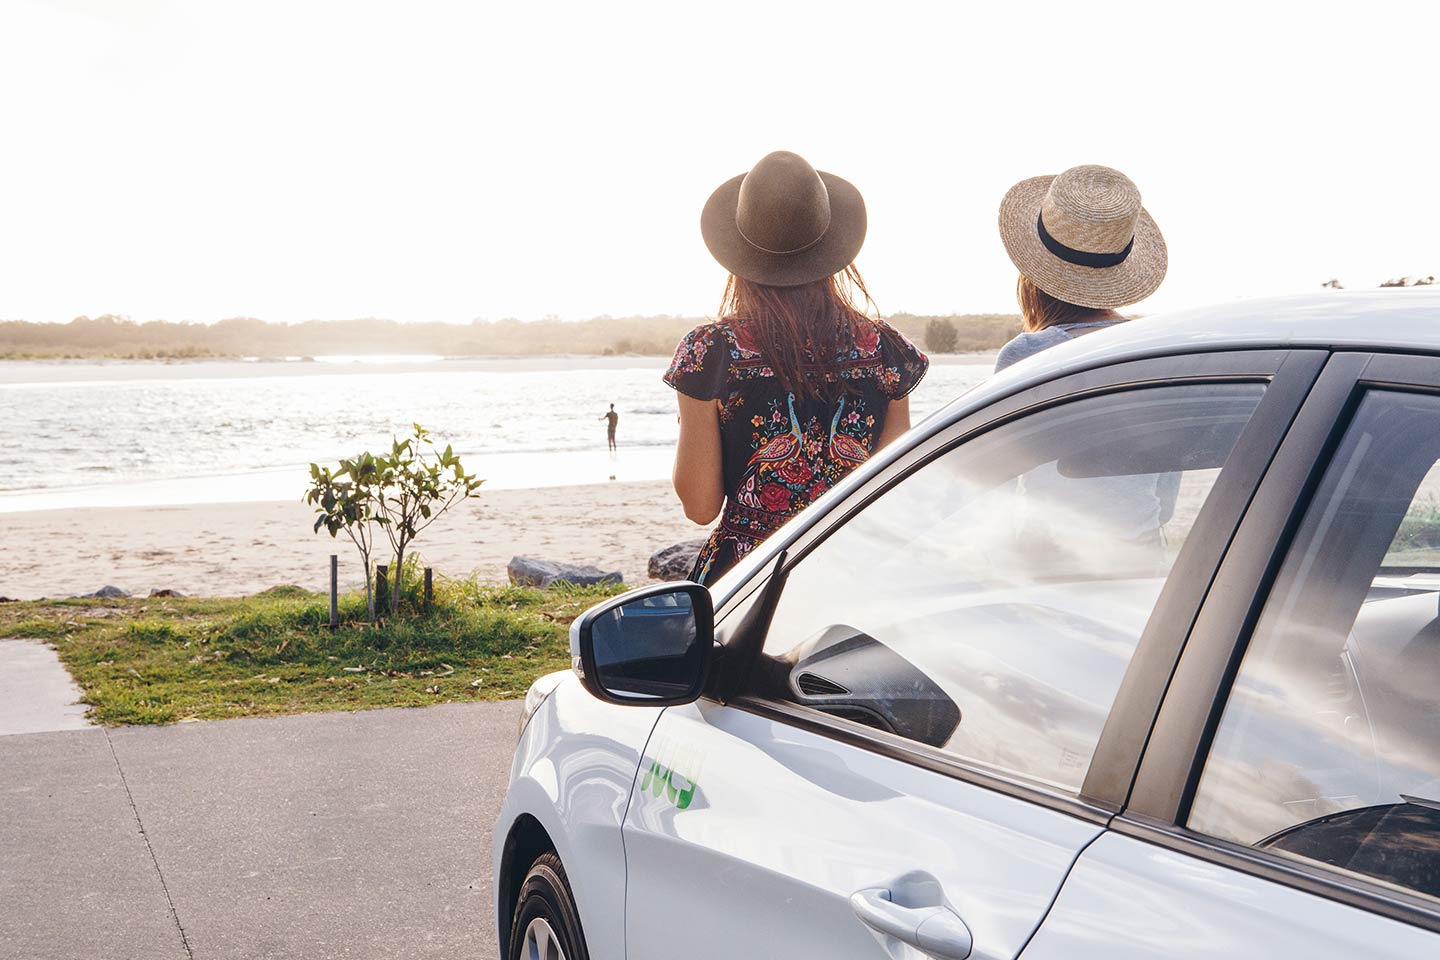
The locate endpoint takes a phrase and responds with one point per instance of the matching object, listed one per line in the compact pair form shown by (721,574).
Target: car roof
(1391,319)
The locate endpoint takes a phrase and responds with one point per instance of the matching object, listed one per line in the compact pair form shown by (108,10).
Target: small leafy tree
(401,494)
(413,487)
(941,335)
(345,500)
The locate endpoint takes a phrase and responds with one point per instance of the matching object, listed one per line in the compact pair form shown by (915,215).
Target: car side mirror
(650,647)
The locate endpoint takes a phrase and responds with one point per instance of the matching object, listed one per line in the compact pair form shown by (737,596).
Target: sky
(426,160)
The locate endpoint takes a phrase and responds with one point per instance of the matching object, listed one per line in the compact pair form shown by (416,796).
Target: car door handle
(929,926)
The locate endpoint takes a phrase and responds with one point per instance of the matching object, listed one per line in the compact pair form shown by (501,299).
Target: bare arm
(897,421)
(699,476)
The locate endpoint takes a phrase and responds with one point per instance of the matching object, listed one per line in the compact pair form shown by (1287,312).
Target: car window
(1329,745)
(989,602)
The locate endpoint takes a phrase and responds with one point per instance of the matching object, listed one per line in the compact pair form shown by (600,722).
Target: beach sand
(233,549)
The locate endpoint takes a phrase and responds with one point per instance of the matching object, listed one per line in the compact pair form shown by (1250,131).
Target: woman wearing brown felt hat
(794,384)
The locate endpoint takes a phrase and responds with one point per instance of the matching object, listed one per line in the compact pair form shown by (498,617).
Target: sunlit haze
(453,160)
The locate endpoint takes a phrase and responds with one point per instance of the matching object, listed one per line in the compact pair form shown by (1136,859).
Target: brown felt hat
(1083,237)
(784,223)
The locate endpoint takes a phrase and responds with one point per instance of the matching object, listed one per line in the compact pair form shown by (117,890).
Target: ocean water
(112,433)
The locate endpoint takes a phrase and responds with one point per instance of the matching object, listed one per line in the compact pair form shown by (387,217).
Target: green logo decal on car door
(678,787)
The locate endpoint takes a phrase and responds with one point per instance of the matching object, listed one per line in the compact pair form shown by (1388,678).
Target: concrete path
(36,692)
(362,835)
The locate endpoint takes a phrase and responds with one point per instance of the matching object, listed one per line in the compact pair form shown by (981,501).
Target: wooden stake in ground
(382,599)
(429,590)
(334,591)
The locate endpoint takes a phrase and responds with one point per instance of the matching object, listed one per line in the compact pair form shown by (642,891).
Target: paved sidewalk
(328,835)
(36,692)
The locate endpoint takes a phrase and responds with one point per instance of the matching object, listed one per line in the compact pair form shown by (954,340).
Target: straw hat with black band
(784,223)
(1083,237)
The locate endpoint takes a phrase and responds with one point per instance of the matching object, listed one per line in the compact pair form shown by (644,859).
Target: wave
(480,453)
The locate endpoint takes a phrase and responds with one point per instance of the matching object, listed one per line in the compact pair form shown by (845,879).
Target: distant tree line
(941,335)
(958,333)
(115,336)
(1334,283)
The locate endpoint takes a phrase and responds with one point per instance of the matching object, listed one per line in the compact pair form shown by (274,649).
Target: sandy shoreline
(232,549)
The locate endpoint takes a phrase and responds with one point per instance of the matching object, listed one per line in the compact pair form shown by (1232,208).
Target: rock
(675,562)
(166,592)
(534,572)
(106,592)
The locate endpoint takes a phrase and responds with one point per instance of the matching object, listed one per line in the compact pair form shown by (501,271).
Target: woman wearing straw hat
(794,384)
(1084,247)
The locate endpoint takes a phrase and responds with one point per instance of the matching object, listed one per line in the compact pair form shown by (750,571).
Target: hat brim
(835,250)
(1100,287)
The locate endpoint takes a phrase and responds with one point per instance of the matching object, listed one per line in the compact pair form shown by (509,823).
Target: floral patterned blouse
(780,451)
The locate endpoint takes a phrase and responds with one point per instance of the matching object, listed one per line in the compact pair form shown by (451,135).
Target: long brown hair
(1039,310)
(800,331)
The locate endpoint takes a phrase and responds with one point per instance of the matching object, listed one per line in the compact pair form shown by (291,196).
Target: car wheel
(546,925)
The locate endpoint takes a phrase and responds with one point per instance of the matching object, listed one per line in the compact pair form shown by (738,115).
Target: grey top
(1029,344)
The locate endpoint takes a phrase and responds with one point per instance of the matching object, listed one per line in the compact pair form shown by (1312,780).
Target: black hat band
(1081,258)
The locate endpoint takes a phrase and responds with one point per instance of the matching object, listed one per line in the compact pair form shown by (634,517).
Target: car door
(1289,802)
(950,693)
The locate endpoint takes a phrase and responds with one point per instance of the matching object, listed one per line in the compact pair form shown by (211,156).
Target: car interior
(1348,772)
(981,637)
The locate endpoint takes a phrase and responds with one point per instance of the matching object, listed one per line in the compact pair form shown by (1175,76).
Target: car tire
(546,923)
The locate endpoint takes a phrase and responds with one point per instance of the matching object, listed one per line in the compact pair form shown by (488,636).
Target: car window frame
(1288,376)
(1185,726)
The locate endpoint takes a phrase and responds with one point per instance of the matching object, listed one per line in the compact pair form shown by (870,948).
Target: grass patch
(166,660)
(1417,541)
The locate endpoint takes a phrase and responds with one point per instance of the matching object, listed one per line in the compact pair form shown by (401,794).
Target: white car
(1131,651)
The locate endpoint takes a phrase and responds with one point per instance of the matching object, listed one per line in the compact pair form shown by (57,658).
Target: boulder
(534,572)
(106,592)
(675,562)
(166,592)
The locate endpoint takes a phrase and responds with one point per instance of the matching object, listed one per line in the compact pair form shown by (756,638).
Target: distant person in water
(793,385)
(613,419)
